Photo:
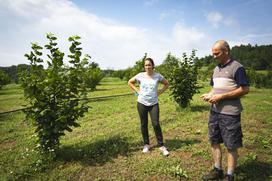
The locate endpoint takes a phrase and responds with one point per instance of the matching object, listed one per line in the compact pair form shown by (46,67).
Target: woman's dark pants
(154,114)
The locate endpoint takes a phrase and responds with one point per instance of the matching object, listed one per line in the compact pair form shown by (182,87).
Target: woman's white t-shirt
(148,88)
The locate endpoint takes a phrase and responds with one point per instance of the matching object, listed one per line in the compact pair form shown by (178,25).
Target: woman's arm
(131,83)
(165,86)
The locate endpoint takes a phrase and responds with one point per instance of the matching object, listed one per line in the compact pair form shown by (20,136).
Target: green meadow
(108,144)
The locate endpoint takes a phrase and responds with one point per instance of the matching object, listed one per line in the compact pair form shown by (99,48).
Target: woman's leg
(143,114)
(154,114)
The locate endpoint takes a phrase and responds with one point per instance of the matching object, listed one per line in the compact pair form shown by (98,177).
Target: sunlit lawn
(108,144)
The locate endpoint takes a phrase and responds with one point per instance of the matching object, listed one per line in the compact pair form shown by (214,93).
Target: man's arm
(240,91)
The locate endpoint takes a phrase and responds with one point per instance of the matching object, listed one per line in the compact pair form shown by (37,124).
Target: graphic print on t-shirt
(148,90)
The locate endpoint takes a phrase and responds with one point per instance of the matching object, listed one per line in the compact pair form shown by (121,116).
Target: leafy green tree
(183,78)
(119,74)
(4,79)
(55,94)
(93,75)
(137,68)
(14,71)
(168,64)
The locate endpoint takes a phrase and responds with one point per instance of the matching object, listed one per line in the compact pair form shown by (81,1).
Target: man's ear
(226,51)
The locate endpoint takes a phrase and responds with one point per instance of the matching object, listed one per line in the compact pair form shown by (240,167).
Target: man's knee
(232,150)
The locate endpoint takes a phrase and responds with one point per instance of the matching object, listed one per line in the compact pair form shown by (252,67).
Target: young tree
(55,94)
(182,78)
(138,67)
(4,79)
(167,65)
(93,75)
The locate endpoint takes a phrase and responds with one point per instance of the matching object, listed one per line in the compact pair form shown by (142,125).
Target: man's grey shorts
(225,129)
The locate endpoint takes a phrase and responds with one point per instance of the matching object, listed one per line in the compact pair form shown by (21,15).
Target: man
(229,83)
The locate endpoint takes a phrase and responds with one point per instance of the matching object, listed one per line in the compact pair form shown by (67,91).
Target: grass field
(108,144)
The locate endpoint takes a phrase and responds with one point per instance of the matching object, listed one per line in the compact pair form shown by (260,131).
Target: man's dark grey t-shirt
(227,78)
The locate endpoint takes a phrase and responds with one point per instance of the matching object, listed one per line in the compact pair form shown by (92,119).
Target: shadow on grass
(254,170)
(113,84)
(98,89)
(10,92)
(99,152)
(100,99)
(175,144)
(200,108)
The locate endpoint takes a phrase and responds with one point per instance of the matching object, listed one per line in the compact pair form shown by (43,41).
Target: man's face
(219,54)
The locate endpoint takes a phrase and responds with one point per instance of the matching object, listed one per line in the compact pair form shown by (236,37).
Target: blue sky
(116,33)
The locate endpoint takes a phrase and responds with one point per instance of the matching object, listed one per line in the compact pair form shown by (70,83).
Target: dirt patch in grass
(8,144)
(118,169)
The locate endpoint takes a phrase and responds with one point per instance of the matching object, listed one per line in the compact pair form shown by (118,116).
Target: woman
(148,102)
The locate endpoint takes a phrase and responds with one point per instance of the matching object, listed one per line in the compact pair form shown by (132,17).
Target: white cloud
(233,43)
(150,2)
(263,35)
(231,22)
(163,16)
(111,44)
(215,18)
(188,38)
(172,14)
(262,38)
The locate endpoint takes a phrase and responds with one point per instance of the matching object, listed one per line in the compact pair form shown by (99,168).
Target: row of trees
(4,79)
(255,57)
(13,72)
(252,57)
(92,77)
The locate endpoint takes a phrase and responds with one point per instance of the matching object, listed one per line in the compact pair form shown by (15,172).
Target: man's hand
(206,97)
(212,98)
(215,98)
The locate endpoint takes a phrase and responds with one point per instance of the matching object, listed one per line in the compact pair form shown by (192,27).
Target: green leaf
(68,129)
(76,37)
(72,48)
(70,39)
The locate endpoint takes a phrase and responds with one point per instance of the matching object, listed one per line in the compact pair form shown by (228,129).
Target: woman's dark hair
(150,60)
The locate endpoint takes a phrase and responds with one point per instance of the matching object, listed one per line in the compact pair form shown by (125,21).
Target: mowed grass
(108,144)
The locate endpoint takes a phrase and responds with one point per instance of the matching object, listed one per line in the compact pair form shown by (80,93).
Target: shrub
(182,78)
(93,77)
(260,80)
(55,93)
(4,79)
(168,64)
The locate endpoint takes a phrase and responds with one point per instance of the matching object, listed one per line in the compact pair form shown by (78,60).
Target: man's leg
(216,173)
(217,156)
(232,160)
(215,138)
(232,136)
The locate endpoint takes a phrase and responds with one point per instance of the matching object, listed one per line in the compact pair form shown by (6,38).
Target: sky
(117,33)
